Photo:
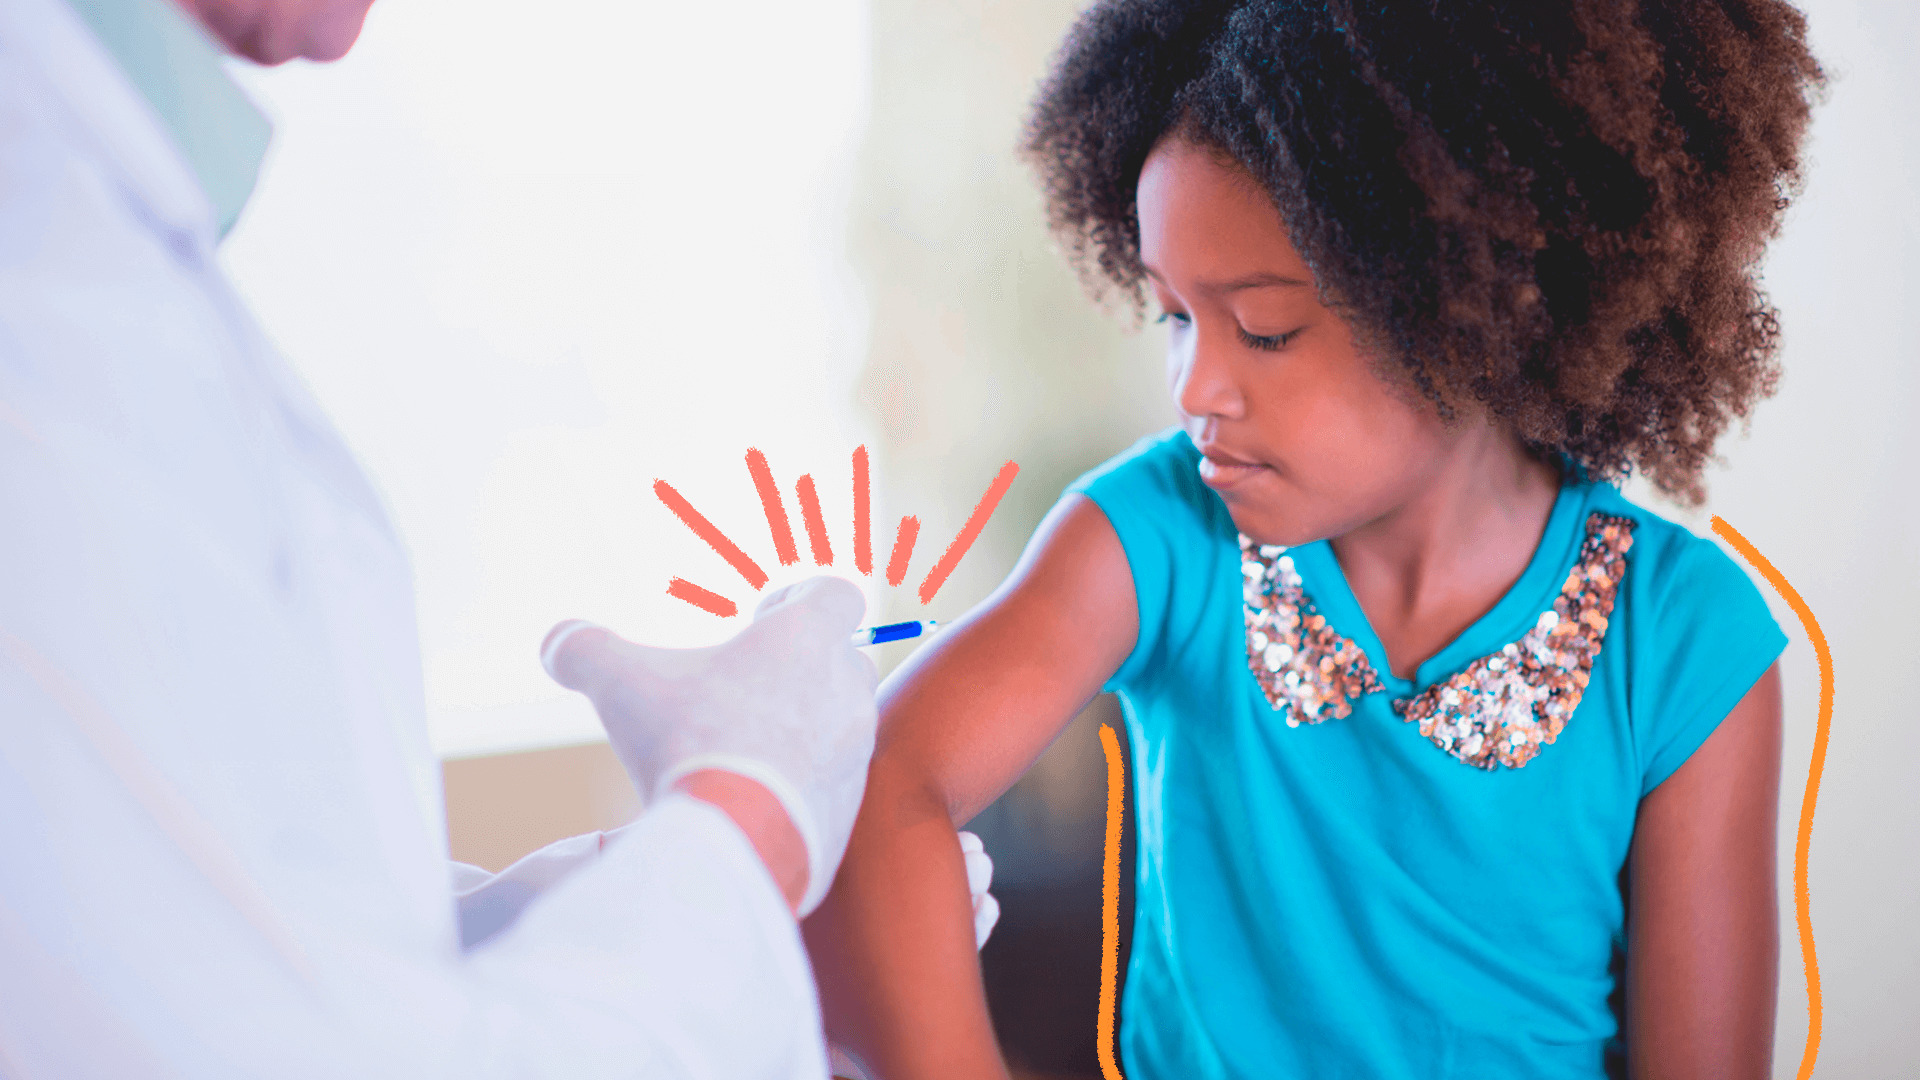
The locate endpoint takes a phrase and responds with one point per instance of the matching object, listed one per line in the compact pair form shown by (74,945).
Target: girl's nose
(1202,377)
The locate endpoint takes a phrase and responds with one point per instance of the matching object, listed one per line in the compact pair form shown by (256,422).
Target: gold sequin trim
(1499,711)
(1306,670)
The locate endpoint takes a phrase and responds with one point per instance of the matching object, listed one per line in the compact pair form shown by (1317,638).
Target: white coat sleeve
(488,903)
(213,862)
(710,965)
(134,943)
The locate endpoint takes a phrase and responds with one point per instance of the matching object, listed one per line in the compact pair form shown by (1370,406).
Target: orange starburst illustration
(818,543)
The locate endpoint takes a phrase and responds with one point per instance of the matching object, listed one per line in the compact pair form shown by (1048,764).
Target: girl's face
(1301,437)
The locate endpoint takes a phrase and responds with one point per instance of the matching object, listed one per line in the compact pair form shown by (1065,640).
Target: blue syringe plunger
(900,631)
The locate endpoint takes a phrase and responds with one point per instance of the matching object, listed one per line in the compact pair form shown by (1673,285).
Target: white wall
(1826,487)
(532,257)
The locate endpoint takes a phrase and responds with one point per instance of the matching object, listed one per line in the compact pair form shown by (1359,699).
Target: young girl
(1449,761)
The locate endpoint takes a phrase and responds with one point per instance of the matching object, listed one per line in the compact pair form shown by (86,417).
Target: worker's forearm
(893,947)
(762,820)
(492,903)
(674,942)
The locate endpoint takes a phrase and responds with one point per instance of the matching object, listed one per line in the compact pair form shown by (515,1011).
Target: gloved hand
(787,703)
(986,910)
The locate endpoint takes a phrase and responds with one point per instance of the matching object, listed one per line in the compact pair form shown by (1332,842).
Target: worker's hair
(1555,208)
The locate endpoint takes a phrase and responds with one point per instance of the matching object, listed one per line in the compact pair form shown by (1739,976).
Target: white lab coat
(222,848)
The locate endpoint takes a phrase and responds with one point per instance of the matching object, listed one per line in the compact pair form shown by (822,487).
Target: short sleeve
(1168,523)
(1126,488)
(1710,639)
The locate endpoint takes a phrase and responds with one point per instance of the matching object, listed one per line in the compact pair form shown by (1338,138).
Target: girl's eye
(1269,342)
(1179,318)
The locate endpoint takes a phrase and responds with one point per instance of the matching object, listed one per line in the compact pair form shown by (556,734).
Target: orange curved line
(1110,874)
(1802,905)
(1104,1039)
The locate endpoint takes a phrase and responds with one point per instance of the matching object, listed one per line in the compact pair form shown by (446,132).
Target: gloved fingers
(986,909)
(826,604)
(775,598)
(813,619)
(577,654)
(979,866)
(777,785)
(869,672)
(772,598)
(986,913)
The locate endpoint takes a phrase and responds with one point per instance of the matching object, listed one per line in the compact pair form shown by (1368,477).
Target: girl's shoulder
(1178,539)
(1696,633)
(1155,484)
(1693,627)
(1687,579)
(1681,582)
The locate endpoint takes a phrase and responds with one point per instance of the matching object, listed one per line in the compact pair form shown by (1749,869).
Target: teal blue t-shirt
(1345,899)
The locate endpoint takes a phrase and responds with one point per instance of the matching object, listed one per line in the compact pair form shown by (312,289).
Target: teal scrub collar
(178,68)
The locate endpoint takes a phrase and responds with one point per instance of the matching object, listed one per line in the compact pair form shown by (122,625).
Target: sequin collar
(1498,711)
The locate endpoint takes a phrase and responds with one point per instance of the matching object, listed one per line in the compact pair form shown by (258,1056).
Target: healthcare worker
(222,843)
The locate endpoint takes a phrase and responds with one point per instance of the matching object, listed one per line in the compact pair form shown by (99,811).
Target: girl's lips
(1220,472)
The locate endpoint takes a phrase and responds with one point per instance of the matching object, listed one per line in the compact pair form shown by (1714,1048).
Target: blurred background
(535,258)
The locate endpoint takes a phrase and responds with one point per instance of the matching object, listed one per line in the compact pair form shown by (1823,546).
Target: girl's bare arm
(892,946)
(1703,948)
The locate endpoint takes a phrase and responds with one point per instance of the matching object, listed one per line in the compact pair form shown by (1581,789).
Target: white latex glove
(787,703)
(986,912)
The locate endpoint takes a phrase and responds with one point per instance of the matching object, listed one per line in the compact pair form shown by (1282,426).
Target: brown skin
(1431,521)
(764,821)
(1703,944)
(1304,439)
(892,945)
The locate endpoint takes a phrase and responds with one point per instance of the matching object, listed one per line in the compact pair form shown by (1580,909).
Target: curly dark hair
(1555,208)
